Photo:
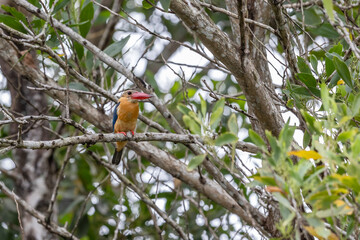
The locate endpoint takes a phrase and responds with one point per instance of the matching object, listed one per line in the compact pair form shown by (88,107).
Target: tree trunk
(35,168)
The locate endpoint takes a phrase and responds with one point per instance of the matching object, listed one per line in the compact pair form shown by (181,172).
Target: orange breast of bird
(128,113)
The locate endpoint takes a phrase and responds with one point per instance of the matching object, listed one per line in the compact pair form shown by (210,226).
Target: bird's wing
(115,115)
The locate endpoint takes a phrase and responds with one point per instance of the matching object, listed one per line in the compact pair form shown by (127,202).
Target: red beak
(140,95)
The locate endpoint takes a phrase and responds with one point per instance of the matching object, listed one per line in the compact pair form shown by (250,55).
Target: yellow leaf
(340,203)
(306,154)
(340,82)
(342,177)
(311,230)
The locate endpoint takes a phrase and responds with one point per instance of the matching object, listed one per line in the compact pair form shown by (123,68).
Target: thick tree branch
(114,137)
(264,108)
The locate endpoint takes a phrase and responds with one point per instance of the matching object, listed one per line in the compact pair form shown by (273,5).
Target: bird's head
(134,96)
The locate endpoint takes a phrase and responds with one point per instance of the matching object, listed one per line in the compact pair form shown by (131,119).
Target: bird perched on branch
(125,116)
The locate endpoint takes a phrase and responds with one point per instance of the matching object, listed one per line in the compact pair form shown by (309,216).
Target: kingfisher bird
(125,116)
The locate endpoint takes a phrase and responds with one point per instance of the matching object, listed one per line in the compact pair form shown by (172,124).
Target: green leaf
(329,66)
(184,109)
(226,138)
(35,3)
(217,113)
(233,124)
(303,67)
(192,125)
(314,175)
(203,106)
(355,147)
(308,79)
(60,5)
(355,106)
(18,15)
(325,97)
(310,120)
(314,63)
(12,22)
(348,181)
(286,135)
(306,92)
(266,180)
(195,161)
(334,80)
(79,49)
(195,117)
(86,15)
(325,30)
(146,4)
(115,48)
(343,71)
(332,212)
(77,86)
(191,92)
(303,168)
(283,201)
(306,139)
(338,49)
(89,61)
(256,139)
(276,150)
(328,5)
(311,17)
(165,4)
(346,136)
(290,103)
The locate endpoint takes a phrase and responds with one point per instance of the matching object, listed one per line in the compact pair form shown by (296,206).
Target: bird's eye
(129,93)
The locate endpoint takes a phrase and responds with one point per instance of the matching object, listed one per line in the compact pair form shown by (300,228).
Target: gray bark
(35,168)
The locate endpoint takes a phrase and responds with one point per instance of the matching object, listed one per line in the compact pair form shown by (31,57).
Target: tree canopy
(252,131)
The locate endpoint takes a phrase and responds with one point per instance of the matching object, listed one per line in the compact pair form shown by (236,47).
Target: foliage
(324,178)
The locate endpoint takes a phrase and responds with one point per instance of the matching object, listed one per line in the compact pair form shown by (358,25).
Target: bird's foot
(123,133)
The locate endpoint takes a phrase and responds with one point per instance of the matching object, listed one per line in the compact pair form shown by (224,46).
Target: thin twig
(19,219)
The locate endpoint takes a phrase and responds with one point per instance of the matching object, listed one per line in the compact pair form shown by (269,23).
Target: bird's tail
(117,157)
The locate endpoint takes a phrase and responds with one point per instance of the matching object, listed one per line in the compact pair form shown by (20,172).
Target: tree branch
(115,137)
(233,15)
